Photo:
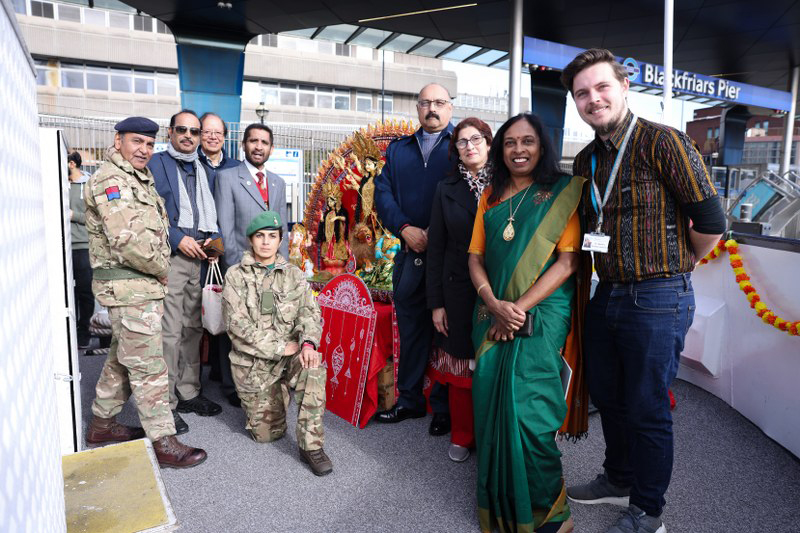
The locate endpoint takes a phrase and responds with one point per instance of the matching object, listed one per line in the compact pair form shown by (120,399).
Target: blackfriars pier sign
(557,56)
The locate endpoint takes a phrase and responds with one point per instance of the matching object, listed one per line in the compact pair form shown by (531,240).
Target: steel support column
(669,10)
(789,124)
(211,76)
(515,61)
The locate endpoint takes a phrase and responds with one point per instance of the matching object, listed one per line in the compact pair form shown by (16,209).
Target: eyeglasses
(428,103)
(212,133)
(180,130)
(476,140)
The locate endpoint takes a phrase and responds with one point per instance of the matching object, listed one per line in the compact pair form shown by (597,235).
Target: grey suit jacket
(238,201)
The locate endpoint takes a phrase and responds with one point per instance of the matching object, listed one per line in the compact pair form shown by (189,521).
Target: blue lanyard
(612,178)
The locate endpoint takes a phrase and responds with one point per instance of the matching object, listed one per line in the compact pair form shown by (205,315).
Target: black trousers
(219,347)
(84,299)
(416,338)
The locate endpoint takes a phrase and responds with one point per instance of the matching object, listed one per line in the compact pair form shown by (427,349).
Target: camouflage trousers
(259,385)
(135,364)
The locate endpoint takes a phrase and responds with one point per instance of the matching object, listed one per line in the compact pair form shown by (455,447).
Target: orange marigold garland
(764,312)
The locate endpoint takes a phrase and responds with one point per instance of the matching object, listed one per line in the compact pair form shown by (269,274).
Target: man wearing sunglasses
(187,187)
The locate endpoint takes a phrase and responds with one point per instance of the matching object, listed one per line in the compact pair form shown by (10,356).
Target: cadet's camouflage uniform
(259,340)
(129,250)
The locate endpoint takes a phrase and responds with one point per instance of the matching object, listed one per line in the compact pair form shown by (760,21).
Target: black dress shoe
(181,426)
(440,425)
(234,400)
(396,414)
(199,405)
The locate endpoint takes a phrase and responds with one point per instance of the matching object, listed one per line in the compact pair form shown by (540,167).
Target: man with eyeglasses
(213,132)
(403,197)
(187,187)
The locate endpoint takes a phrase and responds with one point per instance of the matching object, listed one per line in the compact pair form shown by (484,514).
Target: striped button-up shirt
(661,170)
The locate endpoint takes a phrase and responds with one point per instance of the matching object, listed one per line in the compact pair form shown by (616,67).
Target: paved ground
(729,477)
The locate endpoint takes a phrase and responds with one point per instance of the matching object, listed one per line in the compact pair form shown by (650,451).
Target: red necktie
(262,187)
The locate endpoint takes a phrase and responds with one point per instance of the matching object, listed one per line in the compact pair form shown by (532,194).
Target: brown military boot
(109,430)
(319,462)
(172,454)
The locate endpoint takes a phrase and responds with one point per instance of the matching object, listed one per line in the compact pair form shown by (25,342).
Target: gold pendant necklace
(508,233)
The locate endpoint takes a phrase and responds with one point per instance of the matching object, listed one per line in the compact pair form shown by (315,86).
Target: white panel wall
(31,484)
(733,354)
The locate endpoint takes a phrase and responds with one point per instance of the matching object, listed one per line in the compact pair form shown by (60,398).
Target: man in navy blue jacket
(403,197)
(187,187)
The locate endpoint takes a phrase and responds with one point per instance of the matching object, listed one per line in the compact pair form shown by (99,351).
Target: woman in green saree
(523,258)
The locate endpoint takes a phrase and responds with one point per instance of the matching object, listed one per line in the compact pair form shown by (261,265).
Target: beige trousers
(182,328)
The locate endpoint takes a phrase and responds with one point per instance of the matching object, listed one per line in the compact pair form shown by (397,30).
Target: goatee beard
(609,127)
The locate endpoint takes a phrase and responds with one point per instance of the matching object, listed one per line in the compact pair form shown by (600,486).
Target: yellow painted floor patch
(115,489)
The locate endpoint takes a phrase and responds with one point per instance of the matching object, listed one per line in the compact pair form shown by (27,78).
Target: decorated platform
(347,255)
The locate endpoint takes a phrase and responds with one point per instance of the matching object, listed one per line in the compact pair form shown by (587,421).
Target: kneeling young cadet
(273,321)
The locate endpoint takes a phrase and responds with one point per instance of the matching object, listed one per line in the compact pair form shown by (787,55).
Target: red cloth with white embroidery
(348,326)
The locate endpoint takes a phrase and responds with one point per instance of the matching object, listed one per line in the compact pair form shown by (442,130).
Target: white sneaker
(457,453)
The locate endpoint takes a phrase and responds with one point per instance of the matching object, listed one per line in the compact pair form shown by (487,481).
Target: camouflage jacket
(264,331)
(128,228)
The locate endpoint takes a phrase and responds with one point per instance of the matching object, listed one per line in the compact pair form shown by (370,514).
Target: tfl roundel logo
(632,67)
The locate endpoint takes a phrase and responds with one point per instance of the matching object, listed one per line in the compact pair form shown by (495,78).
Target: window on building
(69,13)
(20,7)
(144,82)
(269,39)
(325,97)
(716,133)
(270,94)
(385,103)
(325,47)
(341,100)
(42,9)
(710,133)
(121,80)
(342,49)
(72,76)
(288,94)
(119,20)
(95,17)
(142,23)
(167,84)
(307,96)
(362,52)
(45,73)
(97,78)
(255,41)
(162,28)
(363,102)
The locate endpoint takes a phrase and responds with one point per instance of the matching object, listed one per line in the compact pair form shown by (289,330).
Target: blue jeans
(634,336)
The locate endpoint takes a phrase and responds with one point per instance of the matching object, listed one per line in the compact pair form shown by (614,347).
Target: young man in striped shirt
(651,213)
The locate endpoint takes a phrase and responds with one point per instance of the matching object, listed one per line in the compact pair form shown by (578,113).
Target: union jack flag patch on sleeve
(112,193)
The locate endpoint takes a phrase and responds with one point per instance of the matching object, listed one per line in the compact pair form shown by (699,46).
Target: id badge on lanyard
(597,241)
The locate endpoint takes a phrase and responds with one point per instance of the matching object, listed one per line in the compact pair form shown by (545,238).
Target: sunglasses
(180,130)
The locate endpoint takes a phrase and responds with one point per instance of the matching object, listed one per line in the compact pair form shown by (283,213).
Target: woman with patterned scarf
(450,293)
(524,258)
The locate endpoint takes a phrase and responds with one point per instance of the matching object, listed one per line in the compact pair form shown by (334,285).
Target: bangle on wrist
(481,287)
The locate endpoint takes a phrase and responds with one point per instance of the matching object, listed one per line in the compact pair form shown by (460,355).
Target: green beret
(140,125)
(264,220)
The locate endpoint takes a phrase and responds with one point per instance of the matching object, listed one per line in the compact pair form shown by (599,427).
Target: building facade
(112,62)
(763,143)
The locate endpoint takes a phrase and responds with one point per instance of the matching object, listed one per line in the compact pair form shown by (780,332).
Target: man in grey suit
(241,193)
(244,191)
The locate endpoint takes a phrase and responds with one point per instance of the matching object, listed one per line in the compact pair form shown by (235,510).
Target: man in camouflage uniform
(128,250)
(273,321)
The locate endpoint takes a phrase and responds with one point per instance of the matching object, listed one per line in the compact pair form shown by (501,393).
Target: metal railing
(92,136)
